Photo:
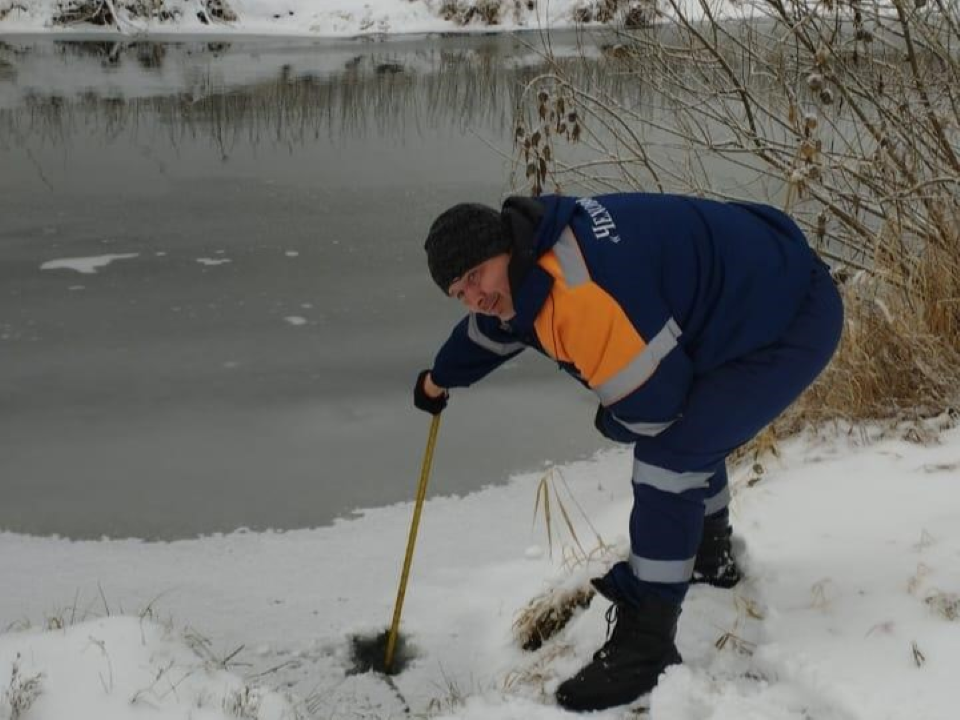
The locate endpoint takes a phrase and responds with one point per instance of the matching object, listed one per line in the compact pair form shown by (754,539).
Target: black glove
(609,429)
(432,405)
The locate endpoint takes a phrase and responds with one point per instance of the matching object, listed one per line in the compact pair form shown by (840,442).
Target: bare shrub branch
(843,112)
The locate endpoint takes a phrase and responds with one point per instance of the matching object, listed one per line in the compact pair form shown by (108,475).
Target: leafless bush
(844,112)
(632,13)
(220,10)
(152,9)
(7,8)
(93,12)
(106,12)
(596,11)
(464,12)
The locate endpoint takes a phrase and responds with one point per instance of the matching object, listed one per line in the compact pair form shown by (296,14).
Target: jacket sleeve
(476,347)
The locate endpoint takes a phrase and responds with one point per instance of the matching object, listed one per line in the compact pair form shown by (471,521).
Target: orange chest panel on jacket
(585,326)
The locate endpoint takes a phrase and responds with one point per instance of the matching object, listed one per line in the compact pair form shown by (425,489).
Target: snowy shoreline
(850,609)
(92,33)
(302,18)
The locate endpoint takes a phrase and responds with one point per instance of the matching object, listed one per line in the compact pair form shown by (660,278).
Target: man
(695,322)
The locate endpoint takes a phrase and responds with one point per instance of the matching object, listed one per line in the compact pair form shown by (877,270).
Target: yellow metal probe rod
(411,541)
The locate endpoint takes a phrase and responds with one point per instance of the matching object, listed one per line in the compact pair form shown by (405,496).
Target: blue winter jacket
(636,294)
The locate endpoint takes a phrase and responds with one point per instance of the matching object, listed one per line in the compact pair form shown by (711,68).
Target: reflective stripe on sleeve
(571,259)
(662,571)
(499,348)
(669,480)
(639,370)
(718,502)
(645,428)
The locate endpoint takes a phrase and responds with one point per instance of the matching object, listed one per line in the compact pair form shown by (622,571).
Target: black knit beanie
(461,238)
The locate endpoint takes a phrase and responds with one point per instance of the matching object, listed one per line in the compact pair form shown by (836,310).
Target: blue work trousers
(679,476)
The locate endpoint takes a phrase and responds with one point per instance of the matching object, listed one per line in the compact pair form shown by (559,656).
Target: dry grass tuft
(898,359)
(547,614)
(890,364)
(919,658)
(554,485)
(539,672)
(946,605)
(736,643)
(21,692)
(244,703)
(550,611)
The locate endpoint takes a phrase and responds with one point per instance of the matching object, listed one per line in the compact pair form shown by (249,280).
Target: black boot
(639,648)
(715,564)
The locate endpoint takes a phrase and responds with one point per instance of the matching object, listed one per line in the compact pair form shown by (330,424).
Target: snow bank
(849,611)
(122,668)
(321,18)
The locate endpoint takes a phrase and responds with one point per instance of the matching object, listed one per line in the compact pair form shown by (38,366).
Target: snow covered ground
(850,610)
(324,18)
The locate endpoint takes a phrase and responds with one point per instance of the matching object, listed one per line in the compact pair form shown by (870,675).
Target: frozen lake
(240,351)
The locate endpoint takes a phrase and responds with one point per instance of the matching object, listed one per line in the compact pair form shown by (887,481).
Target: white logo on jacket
(602,224)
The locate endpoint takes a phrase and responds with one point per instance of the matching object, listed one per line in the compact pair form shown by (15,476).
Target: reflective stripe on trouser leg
(661,571)
(661,494)
(669,481)
(717,503)
(718,497)
(715,419)
(665,530)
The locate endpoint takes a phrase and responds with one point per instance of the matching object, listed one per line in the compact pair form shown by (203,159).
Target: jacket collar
(529,283)
(529,298)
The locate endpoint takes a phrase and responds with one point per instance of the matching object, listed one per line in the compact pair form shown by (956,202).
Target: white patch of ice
(86,265)
(296,320)
(213,261)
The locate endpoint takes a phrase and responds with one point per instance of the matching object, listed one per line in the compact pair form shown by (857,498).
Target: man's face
(485,288)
